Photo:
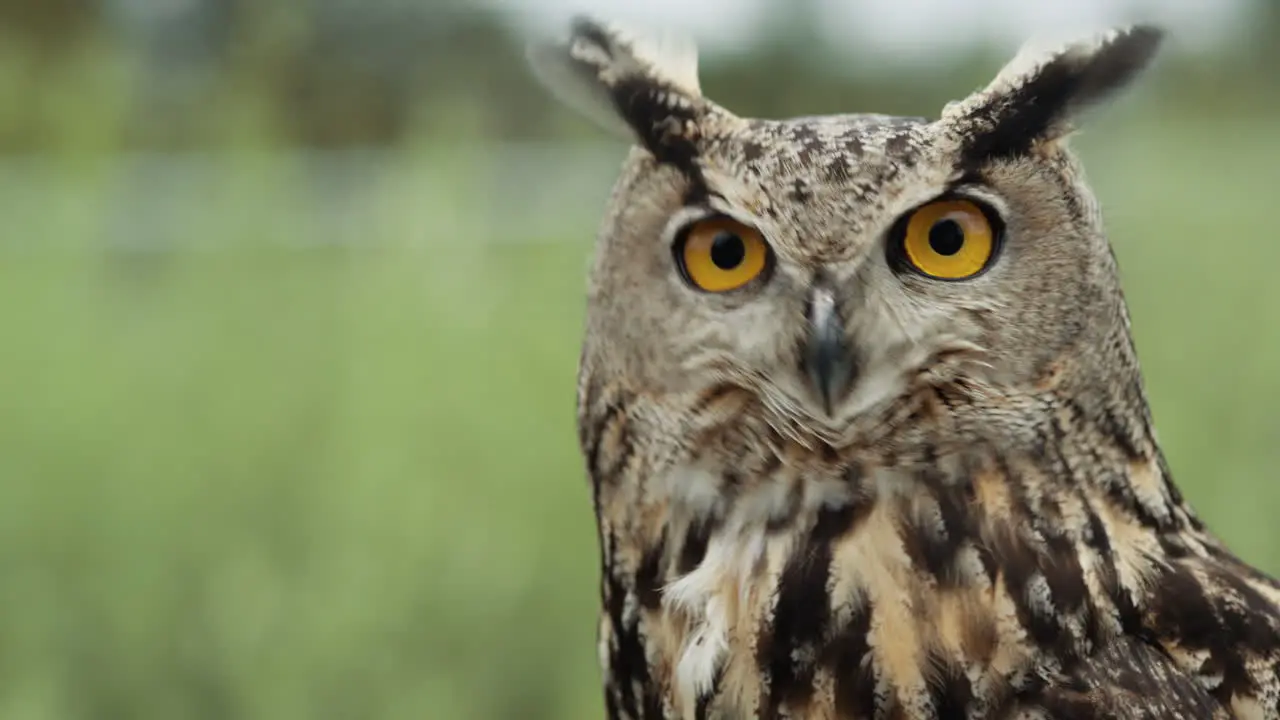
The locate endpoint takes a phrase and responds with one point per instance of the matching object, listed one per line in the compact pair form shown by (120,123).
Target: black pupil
(727,251)
(946,237)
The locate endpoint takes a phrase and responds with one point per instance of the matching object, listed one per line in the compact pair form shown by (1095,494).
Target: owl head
(828,265)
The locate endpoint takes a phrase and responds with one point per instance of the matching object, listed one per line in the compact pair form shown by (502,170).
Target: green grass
(257,482)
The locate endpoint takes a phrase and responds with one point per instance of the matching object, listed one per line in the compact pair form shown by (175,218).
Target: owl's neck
(730,466)
(1003,533)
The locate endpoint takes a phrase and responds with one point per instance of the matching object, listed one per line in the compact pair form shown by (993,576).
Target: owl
(863,419)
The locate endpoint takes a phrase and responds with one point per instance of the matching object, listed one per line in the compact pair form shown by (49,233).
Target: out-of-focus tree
(48,25)
(362,73)
(334,73)
(1266,42)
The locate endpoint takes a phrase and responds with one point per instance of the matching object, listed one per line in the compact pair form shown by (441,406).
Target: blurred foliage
(289,436)
(333,73)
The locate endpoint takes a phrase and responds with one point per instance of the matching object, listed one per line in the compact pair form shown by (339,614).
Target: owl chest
(836,621)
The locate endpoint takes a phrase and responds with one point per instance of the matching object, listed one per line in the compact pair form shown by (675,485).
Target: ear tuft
(665,57)
(1037,94)
(644,86)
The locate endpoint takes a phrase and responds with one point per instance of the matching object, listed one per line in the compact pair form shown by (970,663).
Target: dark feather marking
(1175,495)
(812,148)
(613,412)
(590,397)
(696,538)
(933,550)
(1115,429)
(855,676)
(1064,575)
(1252,624)
(627,664)
(649,574)
(800,192)
(697,193)
(954,501)
(711,396)
(853,144)
(838,170)
(657,112)
(752,151)
(702,709)
(1020,562)
(802,611)
(1127,678)
(625,451)
(1173,546)
(898,146)
(771,463)
(611,710)
(854,474)
(652,704)
(951,691)
(641,102)
(1095,535)
(1275,670)
(1182,612)
(1131,619)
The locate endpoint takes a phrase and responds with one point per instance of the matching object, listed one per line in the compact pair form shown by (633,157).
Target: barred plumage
(848,487)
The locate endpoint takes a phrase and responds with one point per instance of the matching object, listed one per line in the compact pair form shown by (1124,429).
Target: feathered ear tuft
(1036,96)
(643,87)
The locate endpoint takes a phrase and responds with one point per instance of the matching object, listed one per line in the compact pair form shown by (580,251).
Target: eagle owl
(864,423)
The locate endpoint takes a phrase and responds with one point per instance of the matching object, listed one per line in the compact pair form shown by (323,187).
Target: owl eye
(720,254)
(948,239)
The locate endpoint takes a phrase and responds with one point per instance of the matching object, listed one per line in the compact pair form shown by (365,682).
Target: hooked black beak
(828,359)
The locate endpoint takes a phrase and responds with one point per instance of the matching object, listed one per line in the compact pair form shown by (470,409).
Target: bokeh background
(290,298)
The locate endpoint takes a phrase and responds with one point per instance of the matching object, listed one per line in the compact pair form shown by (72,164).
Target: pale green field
(261,482)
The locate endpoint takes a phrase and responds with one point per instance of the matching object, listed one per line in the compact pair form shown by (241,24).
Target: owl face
(825,264)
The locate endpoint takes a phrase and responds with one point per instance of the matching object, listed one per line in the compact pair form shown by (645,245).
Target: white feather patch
(701,595)
(667,56)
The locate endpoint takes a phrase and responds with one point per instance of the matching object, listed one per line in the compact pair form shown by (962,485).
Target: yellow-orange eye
(720,254)
(949,239)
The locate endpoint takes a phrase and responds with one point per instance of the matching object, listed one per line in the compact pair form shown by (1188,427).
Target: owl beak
(828,358)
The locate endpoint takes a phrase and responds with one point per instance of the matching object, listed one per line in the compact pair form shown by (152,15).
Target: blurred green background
(290,295)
